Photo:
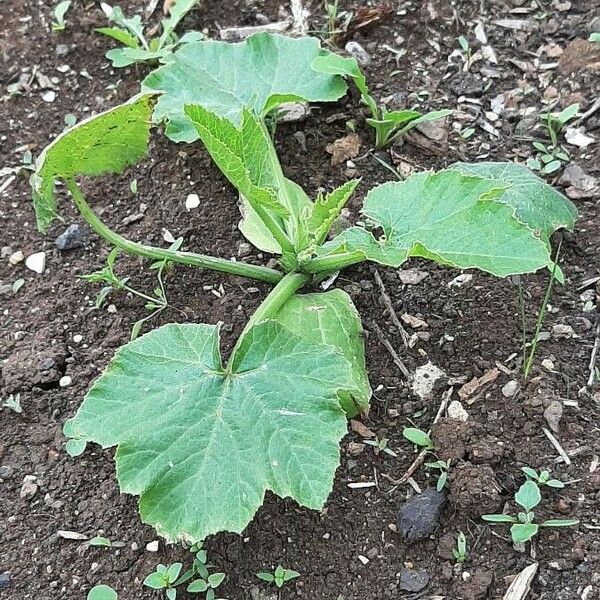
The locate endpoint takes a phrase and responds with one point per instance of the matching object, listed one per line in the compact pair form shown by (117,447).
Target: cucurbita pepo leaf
(450,218)
(105,143)
(259,73)
(535,203)
(206,443)
(331,318)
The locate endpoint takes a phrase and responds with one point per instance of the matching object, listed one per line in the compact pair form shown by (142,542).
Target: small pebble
(152,546)
(16,257)
(36,262)
(49,96)
(4,581)
(65,381)
(77,338)
(510,389)
(112,309)
(548,364)
(359,53)
(29,488)
(457,411)
(74,236)
(192,201)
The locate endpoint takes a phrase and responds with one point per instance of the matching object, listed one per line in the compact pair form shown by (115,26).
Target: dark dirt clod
(449,437)
(413,581)
(473,490)
(475,588)
(418,516)
(74,236)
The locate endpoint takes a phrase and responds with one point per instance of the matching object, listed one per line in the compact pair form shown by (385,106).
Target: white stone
(426,376)
(65,381)
(77,338)
(510,389)
(152,546)
(36,262)
(49,96)
(192,201)
(15,258)
(460,280)
(457,411)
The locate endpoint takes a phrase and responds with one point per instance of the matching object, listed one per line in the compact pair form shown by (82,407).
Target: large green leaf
(245,154)
(534,202)
(202,444)
(448,217)
(259,73)
(106,143)
(331,318)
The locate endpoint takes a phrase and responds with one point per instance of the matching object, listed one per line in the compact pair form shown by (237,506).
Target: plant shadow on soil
(469,330)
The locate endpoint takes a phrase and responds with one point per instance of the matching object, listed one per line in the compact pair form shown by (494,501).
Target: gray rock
(418,516)
(5,472)
(553,415)
(74,236)
(359,53)
(413,581)
(4,581)
(5,290)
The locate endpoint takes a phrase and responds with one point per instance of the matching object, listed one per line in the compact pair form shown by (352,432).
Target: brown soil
(471,329)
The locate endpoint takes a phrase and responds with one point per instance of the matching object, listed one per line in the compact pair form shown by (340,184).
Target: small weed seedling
(460,552)
(523,527)
(381,445)
(155,304)
(467,52)
(13,402)
(418,437)
(552,156)
(443,466)
(177,411)
(129,31)
(279,577)
(595,37)
(60,11)
(542,478)
(337,21)
(102,592)
(165,578)
(100,541)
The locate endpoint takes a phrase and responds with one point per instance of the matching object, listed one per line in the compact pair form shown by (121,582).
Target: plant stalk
(276,298)
(333,262)
(186,258)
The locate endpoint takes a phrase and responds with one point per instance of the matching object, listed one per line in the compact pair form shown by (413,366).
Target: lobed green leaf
(259,74)
(106,143)
(206,444)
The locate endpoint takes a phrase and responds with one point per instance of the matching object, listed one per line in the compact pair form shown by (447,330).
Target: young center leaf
(245,154)
(451,218)
(535,203)
(331,318)
(106,143)
(259,73)
(206,442)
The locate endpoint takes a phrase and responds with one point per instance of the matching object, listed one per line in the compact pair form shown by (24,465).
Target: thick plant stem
(277,297)
(333,262)
(186,258)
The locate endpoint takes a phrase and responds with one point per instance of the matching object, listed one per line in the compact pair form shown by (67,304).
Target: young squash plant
(211,436)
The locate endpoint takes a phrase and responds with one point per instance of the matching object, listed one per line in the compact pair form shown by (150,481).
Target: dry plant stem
(390,308)
(593,357)
(557,446)
(186,258)
(388,346)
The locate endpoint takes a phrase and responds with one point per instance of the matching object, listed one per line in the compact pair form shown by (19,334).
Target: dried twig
(388,346)
(521,584)
(390,308)
(557,446)
(594,357)
(589,112)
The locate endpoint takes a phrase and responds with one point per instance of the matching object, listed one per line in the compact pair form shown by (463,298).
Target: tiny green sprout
(102,592)
(164,578)
(60,11)
(466,52)
(13,402)
(17,285)
(460,552)
(443,466)
(208,585)
(523,527)
(133,186)
(418,437)
(555,122)
(100,541)
(381,445)
(279,577)
(465,134)
(595,37)
(542,478)
(70,120)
